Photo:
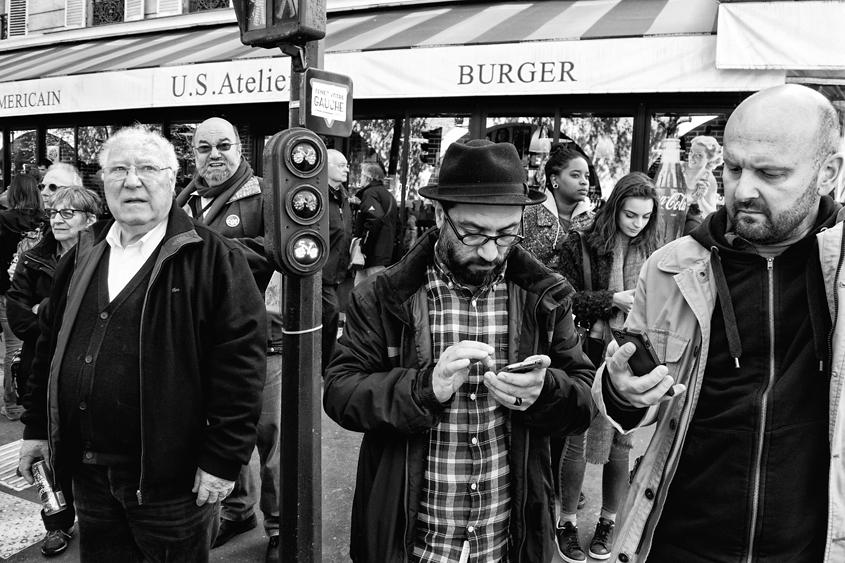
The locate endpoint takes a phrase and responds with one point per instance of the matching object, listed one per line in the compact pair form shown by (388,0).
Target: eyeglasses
(474,239)
(65,213)
(222,147)
(51,187)
(144,171)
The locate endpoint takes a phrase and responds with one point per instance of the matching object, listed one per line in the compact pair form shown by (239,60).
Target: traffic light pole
(300,528)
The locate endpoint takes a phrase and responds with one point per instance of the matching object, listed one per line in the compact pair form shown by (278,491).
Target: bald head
(793,117)
(217,148)
(338,168)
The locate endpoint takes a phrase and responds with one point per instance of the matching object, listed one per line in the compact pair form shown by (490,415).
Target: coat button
(89,358)
(649,494)
(104,315)
(623,558)
(89,455)
(672,424)
(83,405)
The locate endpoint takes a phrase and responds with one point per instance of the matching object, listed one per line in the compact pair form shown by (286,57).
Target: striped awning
(386,29)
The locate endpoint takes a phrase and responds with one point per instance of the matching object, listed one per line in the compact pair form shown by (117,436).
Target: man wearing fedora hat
(455,463)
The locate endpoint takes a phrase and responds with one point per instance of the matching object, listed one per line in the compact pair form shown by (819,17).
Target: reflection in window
(607,141)
(532,138)
(182,137)
(23,151)
(60,145)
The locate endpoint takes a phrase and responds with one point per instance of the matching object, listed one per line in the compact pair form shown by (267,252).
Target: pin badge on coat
(233,221)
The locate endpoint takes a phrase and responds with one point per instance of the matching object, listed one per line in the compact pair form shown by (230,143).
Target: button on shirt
(465,504)
(125,262)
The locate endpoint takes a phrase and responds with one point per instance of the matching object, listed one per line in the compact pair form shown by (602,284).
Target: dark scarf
(198,185)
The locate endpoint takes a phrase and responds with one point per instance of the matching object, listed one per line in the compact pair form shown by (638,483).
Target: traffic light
(295,202)
(271,23)
(430,149)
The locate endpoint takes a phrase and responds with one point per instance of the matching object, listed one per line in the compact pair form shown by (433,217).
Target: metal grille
(203,5)
(107,11)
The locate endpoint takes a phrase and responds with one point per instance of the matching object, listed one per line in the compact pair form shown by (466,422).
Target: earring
(554,185)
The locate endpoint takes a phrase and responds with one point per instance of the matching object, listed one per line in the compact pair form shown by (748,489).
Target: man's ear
(831,174)
(439,213)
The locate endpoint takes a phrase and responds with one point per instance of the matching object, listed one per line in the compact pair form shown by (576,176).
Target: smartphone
(644,359)
(523,366)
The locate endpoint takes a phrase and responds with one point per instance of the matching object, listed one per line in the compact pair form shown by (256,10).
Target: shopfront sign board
(328,102)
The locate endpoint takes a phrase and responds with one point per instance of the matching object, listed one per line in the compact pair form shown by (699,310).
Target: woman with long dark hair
(25,214)
(623,234)
(568,207)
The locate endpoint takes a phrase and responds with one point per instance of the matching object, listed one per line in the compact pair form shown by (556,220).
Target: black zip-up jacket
(13,223)
(340,235)
(379,383)
(202,363)
(753,472)
(376,224)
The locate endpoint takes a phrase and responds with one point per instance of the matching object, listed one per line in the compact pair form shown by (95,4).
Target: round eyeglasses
(477,239)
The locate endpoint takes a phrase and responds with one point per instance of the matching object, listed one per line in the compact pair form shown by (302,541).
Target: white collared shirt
(125,262)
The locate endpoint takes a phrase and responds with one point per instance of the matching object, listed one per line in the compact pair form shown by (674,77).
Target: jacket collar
(179,227)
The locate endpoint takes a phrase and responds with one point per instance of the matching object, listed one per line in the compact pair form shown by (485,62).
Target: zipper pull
(771,264)
(138,495)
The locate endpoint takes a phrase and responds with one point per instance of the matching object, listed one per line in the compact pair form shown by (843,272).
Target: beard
(469,270)
(214,176)
(771,229)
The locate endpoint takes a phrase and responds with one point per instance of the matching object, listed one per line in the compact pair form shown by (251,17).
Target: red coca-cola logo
(675,202)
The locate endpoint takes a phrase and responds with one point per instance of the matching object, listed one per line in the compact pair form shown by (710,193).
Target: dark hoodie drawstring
(819,311)
(734,343)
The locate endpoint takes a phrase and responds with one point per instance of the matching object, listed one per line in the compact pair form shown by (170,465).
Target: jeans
(361,275)
(240,505)
(113,527)
(568,460)
(13,344)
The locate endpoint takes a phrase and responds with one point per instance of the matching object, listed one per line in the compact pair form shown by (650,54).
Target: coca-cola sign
(675,202)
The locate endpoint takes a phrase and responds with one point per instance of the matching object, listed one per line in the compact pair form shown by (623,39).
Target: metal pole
(300,530)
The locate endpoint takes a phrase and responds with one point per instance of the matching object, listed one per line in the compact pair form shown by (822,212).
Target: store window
(182,137)
(687,127)
(61,146)
(532,138)
(91,139)
(23,151)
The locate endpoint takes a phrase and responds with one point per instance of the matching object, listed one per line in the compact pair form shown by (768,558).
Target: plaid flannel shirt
(466,489)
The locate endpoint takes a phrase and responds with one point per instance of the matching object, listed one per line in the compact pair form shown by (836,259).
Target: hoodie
(752,476)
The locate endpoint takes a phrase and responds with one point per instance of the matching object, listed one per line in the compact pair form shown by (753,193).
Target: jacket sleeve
(587,306)
(20,299)
(236,368)
(565,405)
(49,321)
(363,391)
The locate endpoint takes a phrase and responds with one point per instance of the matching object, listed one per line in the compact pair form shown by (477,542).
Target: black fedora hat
(482,172)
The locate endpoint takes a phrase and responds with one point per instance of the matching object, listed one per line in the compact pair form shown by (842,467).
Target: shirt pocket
(669,346)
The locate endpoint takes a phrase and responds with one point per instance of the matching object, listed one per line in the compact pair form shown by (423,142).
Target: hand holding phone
(644,359)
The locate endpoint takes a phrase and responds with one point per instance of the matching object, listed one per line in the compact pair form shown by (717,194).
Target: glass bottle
(671,192)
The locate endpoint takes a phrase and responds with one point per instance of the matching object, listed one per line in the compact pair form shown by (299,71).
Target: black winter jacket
(376,224)
(13,223)
(202,361)
(340,235)
(379,383)
(587,306)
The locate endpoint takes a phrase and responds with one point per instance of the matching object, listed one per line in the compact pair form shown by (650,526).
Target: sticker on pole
(328,99)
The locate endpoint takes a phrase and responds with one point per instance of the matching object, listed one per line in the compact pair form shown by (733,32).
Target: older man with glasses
(455,463)
(226,196)
(146,384)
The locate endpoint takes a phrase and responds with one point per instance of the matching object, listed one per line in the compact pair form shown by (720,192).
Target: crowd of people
(482,367)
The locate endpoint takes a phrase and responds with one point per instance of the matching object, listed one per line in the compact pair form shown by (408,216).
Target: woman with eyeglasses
(25,214)
(74,209)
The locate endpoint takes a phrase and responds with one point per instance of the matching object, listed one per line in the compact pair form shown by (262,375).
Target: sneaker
(602,541)
(582,500)
(56,542)
(272,550)
(567,544)
(12,413)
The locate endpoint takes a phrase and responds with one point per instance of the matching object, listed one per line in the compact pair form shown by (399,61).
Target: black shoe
(231,528)
(56,542)
(272,550)
(602,541)
(582,500)
(567,544)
